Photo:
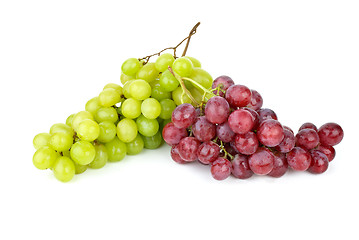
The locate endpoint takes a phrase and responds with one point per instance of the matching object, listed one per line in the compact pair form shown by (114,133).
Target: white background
(302,56)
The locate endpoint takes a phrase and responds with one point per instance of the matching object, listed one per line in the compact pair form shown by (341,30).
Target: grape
(224,82)
(88,130)
(221,168)
(116,150)
(299,159)
(82,152)
(256,100)
(329,151)
(92,106)
(183,66)
(79,117)
(184,115)
(147,127)
(217,110)
(115,86)
(241,121)
(108,131)
(168,82)
(308,125)
(288,142)
(187,149)
(280,165)
(127,130)
(176,96)
(151,108)
(148,72)
(101,157)
(330,134)
(240,167)
(195,62)
(160,94)
(126,88)
(131,66)
(175,155)
(164,61)
(167,107)
(224,132)
(307,138)
(69,120)
(109,97)
(270,133)
(61,141)
(140,89)
(61,127)
(266,113)
(106,114)
(238,95)
(262,161)
(64,169)
(319,163)
(124,78)
(246,143)
(172,135)
(131,108)
(255,116)
(79,168)
(288,128)
(135,146)
(203,130)
(202,77)
(41,140)
(208,152)
(44,157)
(152,142)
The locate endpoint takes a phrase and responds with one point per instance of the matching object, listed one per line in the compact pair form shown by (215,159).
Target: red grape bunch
(234,135)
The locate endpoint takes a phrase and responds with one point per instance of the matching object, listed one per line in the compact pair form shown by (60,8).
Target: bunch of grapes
(234,135)
(122,120)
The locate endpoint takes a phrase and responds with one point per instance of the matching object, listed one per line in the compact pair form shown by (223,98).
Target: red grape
(224,82)
(240,167)
(299,159)
(266,113)
(208,152)
(255,116)
(329,151)
(288,142)
(256,100)
(270,133)
(241,121)
(307,138)
(319,162)
(172,134)
(203,130)
(246,143)
(175,155)
(217,110)
(288,128)
(224,132)
(330,134)
(261,162)
(280,165)
(221,168)
(238,96)
(187,149)
(184,115)
(308,125)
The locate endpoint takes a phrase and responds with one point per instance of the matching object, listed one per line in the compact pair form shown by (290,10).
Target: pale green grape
(88,130)
(124,78)
(107,131)
(115,86)
(131,66)
(202,77)
(109,97)
(83,152)
(159,94)
(126,88)
(194,61)
(140,89)
(131,108)
(79,168)
(69,120)
(64,169)
(61,141)
(151,108)
(152,142)
(167,107)
(127,130)
(176,96)
(183,66)
(135,146)
(116,150)
(196,94)
(147,127)
(44,157)
(92,106)
(164,61)
(79,117)
(100,158)
(148,72)
(106,114)
(61,127)
(41,140)
(168,82)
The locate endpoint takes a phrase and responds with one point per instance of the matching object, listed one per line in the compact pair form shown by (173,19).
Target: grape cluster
(234,135)
(122,120)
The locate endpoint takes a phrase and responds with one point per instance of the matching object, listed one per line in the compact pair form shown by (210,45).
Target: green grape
(79,168)
(167,107)
(64,169)
(131,66)
(115,86)
(147,127)
(194,61)
(148,72)
(152,142)
(154,83)
(159,94)
(176,96)
(124,78)
(135,146)
(106,114)
(164,123)
(164,61)
(202,77)
(196,94)
(79,117)
(83,152)
(168,82)
(116,150)
(109,97)
(183,66)
(151,108)
(88,130)
(107,131)
(100,158)
(127,130)
(41,140)
(44,158)
(131,108)
(92,106)
(61,141)
(140,89)
(126,88)
(69,120)
(61,127)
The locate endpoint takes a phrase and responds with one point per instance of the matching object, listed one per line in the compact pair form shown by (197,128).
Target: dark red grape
(319,162)
(308,125)
(217,110)
(187,148)
(307,138)
(240,167)
(256,100)
(221,168)
(224,82)
(280,165)
(266,113)
(270,133)
(246,143)
(329,151)
(255,116)
(299,159)
(238,96)
(208,152)
(203,130)
(172,134)
(175,155)
(224,132)
(330,134)
(288,142)
(262,161)
(184,115)
(241,121)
